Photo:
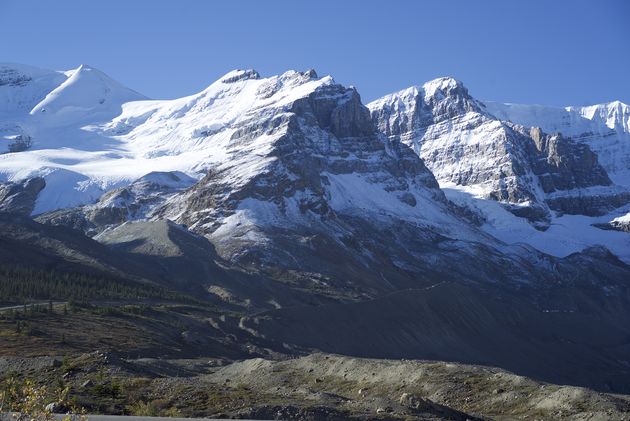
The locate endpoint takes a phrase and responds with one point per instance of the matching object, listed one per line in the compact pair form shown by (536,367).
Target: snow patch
(567,234)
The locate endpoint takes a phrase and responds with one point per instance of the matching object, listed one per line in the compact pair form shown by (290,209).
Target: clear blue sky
(531,51)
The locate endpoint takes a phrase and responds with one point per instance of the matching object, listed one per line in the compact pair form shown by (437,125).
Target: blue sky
(536,51)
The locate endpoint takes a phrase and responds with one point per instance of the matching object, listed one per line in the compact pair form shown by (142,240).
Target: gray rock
(408,198)
(133,202)
(20,197)
(589,204)
(615,225)
(520,167)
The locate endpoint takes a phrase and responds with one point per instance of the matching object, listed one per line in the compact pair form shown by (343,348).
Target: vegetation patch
(18,284)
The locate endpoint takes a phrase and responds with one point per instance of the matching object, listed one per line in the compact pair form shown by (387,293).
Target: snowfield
(604,127)
(91,134)
(567,233)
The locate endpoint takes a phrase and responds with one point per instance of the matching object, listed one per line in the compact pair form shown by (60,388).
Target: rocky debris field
(314,387)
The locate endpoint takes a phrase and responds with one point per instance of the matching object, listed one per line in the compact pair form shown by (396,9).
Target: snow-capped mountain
(604,127)
(420,226)
(86,93)
(551,180)
(23,87)
(269,151)
(47,123)
(302,154)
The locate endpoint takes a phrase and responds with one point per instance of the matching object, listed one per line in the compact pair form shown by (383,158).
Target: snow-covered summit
(615,115)
(570,120)
(89,133)
(477,153)
(86,93)
(22,87)
(236,75)
(199,128)
(433,90)
(604,127)
(442,85)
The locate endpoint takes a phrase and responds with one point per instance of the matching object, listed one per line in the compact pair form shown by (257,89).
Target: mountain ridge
(476,156)
(284,201)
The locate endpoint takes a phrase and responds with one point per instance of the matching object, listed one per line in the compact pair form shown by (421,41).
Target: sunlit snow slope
(526,185)
(86,134)
(604,127)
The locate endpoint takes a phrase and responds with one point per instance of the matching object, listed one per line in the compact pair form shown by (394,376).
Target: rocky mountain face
(287,195)
(531,172)
(605,128)
(135,201)
(310,191)
(320,150)
(20,197)
(620,223)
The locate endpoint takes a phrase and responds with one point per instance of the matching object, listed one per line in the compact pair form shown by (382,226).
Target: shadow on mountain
(188,262)
(587,345)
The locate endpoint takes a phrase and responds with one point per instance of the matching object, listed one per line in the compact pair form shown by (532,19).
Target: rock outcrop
(605,128)
(464,145)
(133,202)
(20,197)
(621,223)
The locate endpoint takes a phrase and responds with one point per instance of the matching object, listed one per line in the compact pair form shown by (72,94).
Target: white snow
(567,234)
(434,87)
(87,93)
(604,127)
(623,219)
(22,87)
(352,193)
(56,194)
(91,134)
(464,147)
(102,134)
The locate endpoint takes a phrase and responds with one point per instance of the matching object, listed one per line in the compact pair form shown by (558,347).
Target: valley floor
(172,376)
(315,387)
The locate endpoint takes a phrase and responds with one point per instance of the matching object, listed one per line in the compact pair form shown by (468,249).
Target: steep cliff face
(605,128)
(457,140)
(561,164)
(307,154)
(20,197)
(312,191)
(464,145)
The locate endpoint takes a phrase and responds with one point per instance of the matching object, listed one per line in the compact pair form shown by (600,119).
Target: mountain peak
(444,85)
(311,73)
(23,86)
(13,72)
(85,90)
(239,74)
(85,69)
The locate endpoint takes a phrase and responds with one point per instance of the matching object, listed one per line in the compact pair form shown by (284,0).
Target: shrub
(26,401)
